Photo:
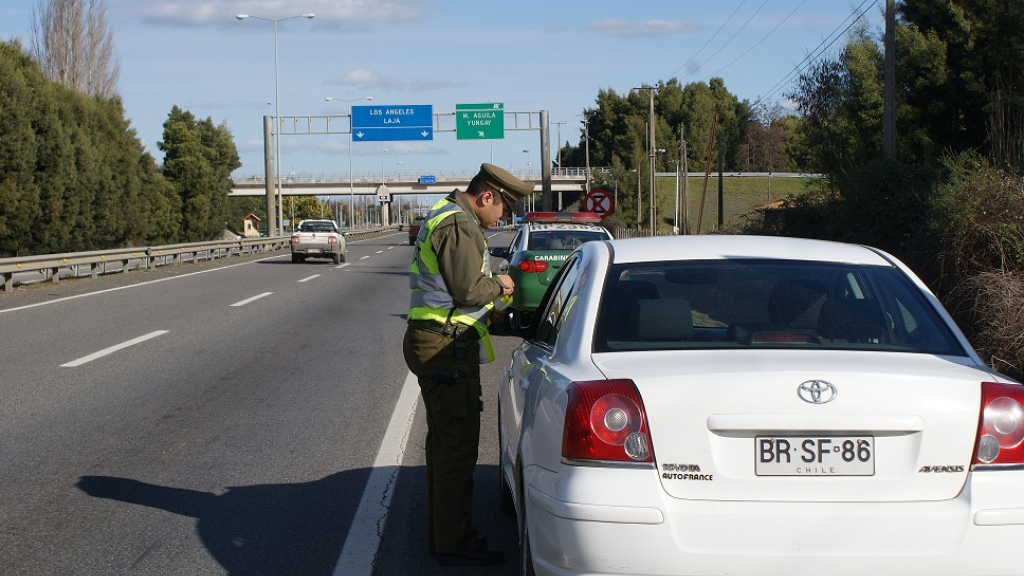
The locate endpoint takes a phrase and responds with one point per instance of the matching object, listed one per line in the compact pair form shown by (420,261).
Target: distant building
(251,226)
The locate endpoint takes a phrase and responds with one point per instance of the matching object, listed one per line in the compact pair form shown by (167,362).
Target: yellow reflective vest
(430,299)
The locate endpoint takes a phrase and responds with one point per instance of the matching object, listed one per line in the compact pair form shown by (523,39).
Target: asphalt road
(217,418)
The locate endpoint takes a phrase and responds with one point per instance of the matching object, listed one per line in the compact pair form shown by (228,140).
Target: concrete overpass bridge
(402,191)
(405,183)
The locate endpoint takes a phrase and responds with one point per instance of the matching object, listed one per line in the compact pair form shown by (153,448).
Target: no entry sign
(599,201)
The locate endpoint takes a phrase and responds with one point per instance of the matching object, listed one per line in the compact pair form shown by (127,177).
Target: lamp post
(277,110)
(527,164)
(351,214)
(558,151)
(586,143)
(651,150)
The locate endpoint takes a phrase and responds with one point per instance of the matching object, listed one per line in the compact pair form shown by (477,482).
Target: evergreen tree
(198,160)
(19,196)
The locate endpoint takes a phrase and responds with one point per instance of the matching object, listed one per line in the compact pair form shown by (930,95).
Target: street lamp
(351,214)
(651,147)
(277,110)
(586,143)
(529,200)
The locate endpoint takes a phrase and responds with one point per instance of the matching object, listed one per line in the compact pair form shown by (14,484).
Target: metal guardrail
(149,257)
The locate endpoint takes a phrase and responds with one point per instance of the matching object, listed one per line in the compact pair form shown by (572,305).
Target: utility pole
(721,187)
(652,150)
(684,168)
(889,106)
(653,154)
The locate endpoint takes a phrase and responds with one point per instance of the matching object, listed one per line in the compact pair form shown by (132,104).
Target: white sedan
(756,406)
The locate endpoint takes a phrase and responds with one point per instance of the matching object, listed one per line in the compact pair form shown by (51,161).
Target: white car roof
(715,247)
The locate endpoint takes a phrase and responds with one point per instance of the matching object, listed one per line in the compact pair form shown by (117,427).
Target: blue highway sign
(392,134)
(403,116)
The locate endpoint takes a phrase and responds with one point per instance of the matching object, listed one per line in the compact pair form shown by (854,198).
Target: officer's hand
(507,282)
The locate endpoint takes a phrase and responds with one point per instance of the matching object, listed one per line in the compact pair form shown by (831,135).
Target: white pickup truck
(318,239)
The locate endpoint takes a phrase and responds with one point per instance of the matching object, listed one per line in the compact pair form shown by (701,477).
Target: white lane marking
(368,524)
(364,257)
(342,266)
(380,251)
(253,299)
(113,349)
(308,278)
(66,298)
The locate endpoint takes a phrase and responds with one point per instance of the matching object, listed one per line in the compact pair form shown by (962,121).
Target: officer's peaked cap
(502,181)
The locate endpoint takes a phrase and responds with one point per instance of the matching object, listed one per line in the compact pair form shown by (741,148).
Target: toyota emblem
(817,392)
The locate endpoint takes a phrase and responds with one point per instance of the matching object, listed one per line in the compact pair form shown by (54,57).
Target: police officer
(446,340)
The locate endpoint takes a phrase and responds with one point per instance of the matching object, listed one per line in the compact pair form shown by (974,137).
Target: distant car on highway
(414,228)
(539,247)
(318,239)
(757,406)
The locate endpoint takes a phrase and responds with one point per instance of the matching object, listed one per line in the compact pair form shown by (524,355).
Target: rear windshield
(767,304)
(316,227)
(563,239)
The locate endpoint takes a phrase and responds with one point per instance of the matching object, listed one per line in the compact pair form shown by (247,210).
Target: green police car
(540,246)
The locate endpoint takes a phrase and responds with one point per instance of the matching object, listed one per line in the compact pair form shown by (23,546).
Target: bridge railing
(441,176)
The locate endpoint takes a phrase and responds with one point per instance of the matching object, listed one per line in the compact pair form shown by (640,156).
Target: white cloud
(370,80)
(329,13)
(634,29)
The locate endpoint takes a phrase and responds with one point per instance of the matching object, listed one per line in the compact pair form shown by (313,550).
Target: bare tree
(74,45)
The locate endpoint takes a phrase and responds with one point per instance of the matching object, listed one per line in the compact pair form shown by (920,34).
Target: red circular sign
(599,201)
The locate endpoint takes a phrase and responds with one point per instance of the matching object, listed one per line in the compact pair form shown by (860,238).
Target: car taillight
(533,266)
(295,239)
(332,240)
(1001,430)
(605,421)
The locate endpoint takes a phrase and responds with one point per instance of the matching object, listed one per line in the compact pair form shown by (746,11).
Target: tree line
(74,176)
(951,201)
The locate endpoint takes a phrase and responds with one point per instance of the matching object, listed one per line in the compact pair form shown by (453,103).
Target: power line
(715,35)
(814,54)
(731,38)
(765,37)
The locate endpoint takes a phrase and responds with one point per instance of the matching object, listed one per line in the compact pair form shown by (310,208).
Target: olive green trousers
(451,395)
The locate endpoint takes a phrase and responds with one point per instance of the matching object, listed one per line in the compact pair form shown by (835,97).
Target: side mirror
(519,323)
(498,252)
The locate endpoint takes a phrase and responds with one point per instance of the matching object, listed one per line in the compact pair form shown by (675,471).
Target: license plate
(814,456)
(313,250)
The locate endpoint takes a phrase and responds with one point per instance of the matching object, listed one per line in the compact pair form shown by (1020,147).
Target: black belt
(454,330)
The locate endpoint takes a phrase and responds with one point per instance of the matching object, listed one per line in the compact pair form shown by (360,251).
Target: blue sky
(529,55)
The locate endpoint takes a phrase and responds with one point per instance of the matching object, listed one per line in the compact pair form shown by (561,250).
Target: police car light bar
(564,217)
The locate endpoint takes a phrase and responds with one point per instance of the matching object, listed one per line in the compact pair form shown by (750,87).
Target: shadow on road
(265,529)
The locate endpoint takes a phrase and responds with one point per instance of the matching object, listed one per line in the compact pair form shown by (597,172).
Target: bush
(979,215)
(995,301)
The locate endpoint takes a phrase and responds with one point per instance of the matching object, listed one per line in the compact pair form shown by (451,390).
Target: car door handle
(524,383)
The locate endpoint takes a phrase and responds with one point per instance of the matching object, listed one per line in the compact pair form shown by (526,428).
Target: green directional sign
(480,121)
